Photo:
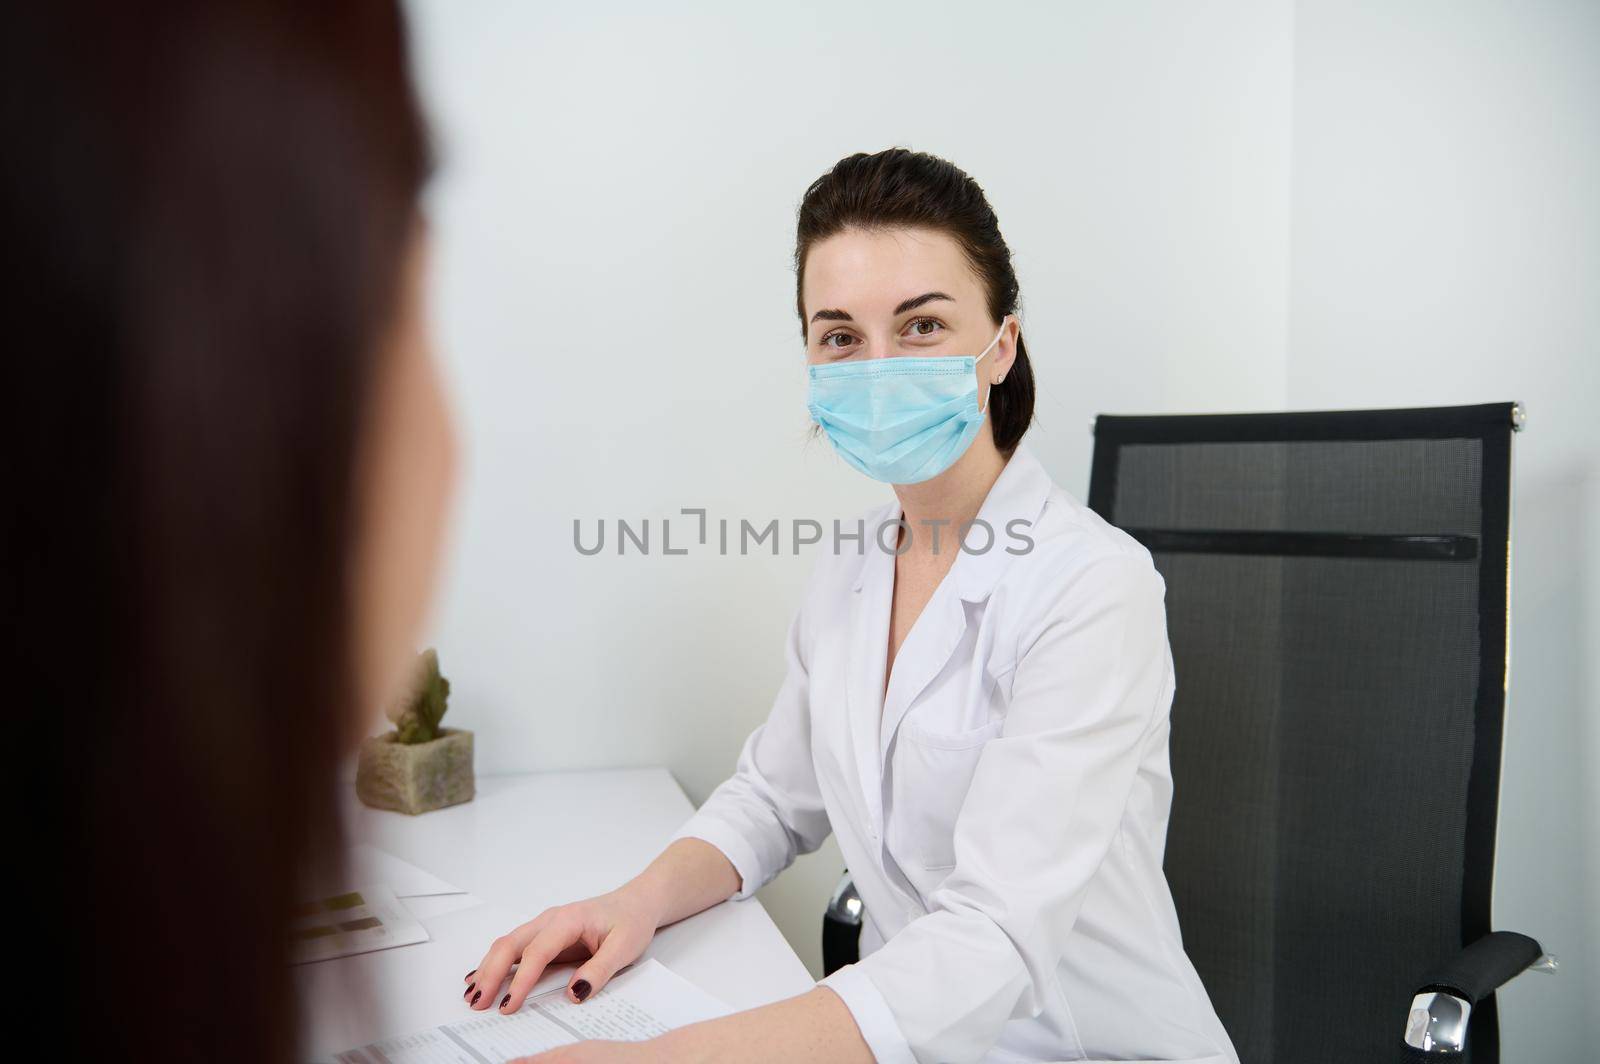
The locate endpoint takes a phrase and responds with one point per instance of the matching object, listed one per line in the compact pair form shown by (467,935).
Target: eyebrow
(910,304)
(926,297)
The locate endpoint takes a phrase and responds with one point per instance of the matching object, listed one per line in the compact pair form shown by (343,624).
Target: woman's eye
(838,341)
(924,326)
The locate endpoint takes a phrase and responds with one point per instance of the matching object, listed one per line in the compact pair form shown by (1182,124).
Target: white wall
(614,221)
(1446,249)
(1198,198)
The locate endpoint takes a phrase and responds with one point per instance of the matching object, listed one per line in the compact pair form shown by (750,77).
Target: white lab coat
(1002,807)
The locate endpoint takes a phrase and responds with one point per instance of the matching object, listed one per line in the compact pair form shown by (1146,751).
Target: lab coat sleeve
(770,810)
(1047,801)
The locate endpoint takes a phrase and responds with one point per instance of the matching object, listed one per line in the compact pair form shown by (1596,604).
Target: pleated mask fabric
(900,420)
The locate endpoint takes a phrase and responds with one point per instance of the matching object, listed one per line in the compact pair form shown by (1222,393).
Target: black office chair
(1336,604)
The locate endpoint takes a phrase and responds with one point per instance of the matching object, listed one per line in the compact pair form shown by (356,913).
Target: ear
(1005,352)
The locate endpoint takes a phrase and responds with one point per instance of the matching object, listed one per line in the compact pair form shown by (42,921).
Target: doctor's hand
(605,933)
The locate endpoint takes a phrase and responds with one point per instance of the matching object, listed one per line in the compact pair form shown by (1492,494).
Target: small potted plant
(419,766)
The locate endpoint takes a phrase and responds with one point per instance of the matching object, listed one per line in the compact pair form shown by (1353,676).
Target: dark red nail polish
(505,1001)
(470,974)
(476,996)
(580,989)
(469,989)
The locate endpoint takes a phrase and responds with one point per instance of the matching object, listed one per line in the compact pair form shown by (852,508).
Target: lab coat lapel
(923,655)
(869,648)
(1019,494)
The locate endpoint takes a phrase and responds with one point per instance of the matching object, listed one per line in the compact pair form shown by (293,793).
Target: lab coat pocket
(933,771)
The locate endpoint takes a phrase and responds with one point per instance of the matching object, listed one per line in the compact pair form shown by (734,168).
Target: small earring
(1000,379)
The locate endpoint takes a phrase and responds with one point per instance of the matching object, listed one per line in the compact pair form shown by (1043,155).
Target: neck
(954,496)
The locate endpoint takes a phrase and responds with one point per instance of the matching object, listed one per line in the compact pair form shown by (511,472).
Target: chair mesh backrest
(1336,603)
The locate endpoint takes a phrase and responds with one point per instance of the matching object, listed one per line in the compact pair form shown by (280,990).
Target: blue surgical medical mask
(901,420)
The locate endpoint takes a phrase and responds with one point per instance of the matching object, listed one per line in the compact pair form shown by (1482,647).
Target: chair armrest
(1437,1022)
(841,927)
(1483,967)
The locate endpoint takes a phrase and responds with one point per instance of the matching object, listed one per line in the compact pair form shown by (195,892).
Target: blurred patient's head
(228,474)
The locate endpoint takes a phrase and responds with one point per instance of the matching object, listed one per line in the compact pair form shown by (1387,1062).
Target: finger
(558,937)
(497,963)
(621,947)
(578,951)
(522,935)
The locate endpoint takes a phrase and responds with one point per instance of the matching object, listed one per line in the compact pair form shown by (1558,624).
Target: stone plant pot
(415,777)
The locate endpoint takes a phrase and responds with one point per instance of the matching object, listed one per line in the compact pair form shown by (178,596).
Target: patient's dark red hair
(206,207)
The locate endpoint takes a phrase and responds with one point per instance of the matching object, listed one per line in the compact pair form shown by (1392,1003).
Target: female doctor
(976,702)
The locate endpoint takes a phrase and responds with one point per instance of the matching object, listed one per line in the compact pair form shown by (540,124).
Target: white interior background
(1230,206)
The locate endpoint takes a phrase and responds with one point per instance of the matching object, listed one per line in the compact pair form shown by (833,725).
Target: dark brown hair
(208,207)
(898,188)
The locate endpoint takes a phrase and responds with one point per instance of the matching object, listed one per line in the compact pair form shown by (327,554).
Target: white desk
(524,844)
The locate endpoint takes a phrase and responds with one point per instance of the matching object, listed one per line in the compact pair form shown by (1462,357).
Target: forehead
(869,271)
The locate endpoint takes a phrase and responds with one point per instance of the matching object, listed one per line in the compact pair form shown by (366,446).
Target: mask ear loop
(984,409)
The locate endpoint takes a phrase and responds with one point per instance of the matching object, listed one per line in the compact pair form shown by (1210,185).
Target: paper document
(366,863)
(647,1000)
(357,921)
